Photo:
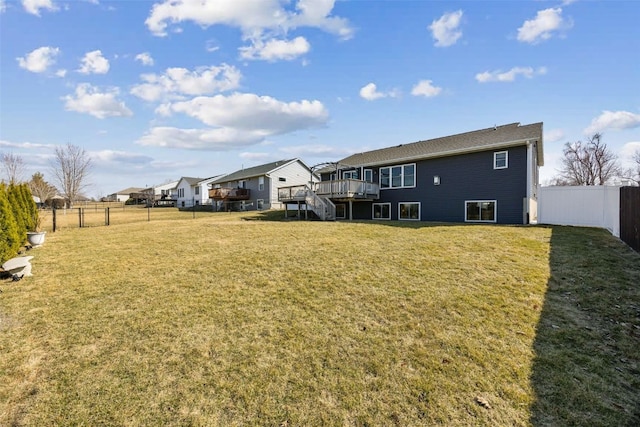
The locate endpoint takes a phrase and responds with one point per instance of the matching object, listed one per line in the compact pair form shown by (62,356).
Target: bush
(11,237)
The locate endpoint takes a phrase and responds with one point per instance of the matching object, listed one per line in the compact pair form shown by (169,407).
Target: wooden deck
(340,190)
(229,194)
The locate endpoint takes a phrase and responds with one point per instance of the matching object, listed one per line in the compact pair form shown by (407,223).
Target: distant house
(165,191)
(488,175)
(187,192)
(256,188)
(123,195)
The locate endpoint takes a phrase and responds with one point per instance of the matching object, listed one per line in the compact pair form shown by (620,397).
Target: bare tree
(13,166)
(41,188)
(71,166)
(633,173)
(590,163)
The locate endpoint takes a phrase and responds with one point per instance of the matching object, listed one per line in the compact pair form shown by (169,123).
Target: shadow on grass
(586,369)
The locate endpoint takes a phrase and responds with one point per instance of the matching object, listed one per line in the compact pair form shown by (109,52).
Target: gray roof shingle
(251,172)
(478,140)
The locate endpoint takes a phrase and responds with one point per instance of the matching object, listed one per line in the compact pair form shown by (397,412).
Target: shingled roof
(251,172)
(485,139)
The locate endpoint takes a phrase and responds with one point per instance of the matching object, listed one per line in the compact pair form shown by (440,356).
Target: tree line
(593,163)
(19,214)
(70,167)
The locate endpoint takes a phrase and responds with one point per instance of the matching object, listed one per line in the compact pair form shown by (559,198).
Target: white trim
(506,159)
(380,204)
(409,203)
(495,211)
(415,175)
(350,174)
(364,174)
(261,183)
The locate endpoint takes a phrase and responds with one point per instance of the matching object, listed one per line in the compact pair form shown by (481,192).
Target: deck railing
(229,194)
(348,189)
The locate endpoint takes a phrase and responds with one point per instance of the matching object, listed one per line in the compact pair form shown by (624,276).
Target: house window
(501,160)
(409,210)
(401,176)
(350,175)
(260,204)
(480,211)
(368,175)
(282,179)
(260,183)
(197,191)
(341,211)
(382,211)
(181,192)
(242,184)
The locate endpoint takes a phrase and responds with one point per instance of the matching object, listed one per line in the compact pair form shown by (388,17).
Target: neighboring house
(164,191)
(256,188)
(187,192)
(488,175)
(123,195)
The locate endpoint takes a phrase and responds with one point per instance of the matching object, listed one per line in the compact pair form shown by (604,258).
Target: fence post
(54,219)
(80,217)
(106,216)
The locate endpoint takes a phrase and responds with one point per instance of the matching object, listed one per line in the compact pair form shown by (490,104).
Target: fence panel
(594,206)
(630,216)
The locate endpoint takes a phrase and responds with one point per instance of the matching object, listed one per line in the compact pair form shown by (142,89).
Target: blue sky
(156,90)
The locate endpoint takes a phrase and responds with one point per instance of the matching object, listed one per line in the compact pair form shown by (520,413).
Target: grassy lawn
(222,321)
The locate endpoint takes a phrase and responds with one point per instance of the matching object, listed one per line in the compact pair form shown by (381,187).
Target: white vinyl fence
(593,206)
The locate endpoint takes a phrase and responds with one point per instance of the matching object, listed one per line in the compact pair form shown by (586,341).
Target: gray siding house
(488,175)
(256,188)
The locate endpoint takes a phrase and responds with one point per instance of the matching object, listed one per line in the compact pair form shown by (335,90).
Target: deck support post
(350,210)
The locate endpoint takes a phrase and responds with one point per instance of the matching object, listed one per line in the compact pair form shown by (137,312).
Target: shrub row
(18,214)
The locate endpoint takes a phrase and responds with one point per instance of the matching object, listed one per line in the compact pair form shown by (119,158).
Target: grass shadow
(586,369)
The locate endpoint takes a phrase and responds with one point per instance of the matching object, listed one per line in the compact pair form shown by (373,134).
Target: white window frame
(402,176)
(261,183)
(369,172)
(409,203)
(242,183)
(506,159)
(344,210)
(373,208)
(350,175)
(495,211)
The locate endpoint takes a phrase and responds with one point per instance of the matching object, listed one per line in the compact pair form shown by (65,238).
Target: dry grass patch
(220,321)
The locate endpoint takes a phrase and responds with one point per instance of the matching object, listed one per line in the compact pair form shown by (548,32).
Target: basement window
(480,211)
(382,211)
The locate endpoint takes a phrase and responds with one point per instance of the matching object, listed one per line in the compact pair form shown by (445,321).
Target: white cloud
(239,119)
(543,26)
(145,58)
(613,120)
(629,149)
(3,6)
(110,156)
(38,60)
(94,62)
(177,82)
(251,112)
(251,16)
(34,6)
(445,30)
(25,145)
(425,88)
(61,73)
(212,46)
(90,100)
(274,49)
(370,92)
(220,139)
(509,76)
(554,135)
